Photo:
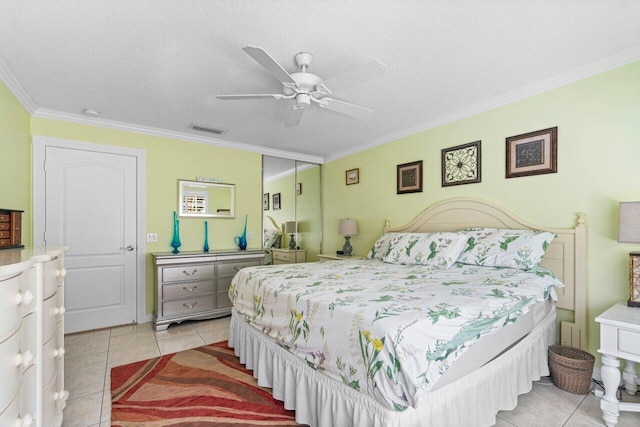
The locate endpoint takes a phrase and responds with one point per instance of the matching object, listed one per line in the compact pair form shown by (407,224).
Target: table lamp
(348,227)
(629,232)
(290,228)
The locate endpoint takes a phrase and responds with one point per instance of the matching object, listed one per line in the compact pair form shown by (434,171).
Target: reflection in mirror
(297,185)
(205,199)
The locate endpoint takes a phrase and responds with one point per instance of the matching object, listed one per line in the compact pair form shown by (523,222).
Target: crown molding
(163,133)
(528,91)
(12,83)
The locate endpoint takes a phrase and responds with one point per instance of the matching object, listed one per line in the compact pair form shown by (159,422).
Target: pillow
(381,246)
(271,238)
(522,249)
(439,250)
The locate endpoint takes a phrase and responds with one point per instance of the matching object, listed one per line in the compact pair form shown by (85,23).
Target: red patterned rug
(205,386)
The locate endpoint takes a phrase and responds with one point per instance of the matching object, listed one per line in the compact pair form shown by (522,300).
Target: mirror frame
(182,183)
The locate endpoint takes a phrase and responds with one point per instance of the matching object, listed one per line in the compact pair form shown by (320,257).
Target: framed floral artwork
(298,188)
(409,177)
(352,176)
(532,153)
(276,201)
(265,202)
(461,164)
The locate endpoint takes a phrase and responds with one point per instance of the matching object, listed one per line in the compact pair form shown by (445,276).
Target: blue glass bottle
(175,243)
(241,241)
(206,237)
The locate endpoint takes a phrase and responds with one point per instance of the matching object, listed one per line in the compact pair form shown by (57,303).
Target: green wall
(15,159)
(598,122)
(168,160)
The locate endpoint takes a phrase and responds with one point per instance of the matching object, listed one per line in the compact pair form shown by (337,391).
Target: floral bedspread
(387,330)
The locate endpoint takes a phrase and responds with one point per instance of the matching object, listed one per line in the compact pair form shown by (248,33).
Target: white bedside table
(619,339)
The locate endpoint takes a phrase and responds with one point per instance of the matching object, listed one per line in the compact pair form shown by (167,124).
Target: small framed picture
(298,188)
(265,202)
(532,153)
(276,201)
(409,177)
(352,176)
(461,164)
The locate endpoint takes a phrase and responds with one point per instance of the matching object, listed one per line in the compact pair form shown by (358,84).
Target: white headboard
(270,224)
(566,256)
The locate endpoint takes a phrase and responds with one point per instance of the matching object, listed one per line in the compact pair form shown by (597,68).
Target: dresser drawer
(188,306)
(5,217)
(629,341)
(5,234)
(10,310)
(54,274)
(9,372)
(229,269)
(287,257)
(188,273)
(186,290)
(5,226)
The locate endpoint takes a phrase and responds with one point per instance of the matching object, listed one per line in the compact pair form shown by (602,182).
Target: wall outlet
(152,237)
(250,235)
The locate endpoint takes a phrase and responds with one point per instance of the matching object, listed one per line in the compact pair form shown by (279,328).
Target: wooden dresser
(32,337)
(10,229)
(195,285)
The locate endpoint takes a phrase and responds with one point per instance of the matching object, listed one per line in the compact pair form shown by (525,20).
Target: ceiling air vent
(209,129)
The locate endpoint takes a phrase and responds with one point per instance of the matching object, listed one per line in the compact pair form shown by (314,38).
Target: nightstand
(289,256)
(335,257)
(619,339)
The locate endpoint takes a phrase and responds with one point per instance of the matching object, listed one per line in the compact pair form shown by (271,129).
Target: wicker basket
(571,369)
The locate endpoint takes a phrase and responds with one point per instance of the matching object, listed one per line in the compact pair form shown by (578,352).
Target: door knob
(128,248)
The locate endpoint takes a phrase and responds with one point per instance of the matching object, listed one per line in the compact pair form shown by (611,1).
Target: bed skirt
(322,401)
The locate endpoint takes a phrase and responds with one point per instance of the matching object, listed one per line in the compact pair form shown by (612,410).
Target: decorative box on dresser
(195,285)
(32,337)
(289,256)
(10,228)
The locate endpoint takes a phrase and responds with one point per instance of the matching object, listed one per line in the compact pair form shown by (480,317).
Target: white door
(90,206)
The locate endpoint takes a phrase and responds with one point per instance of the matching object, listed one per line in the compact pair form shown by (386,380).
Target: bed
(491,368)
(271,238)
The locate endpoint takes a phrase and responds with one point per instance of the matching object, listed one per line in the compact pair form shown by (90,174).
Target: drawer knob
(59,352)
(25,298)
(61,396)
(25,421)
(59,311)
(189,305)
(23,359)
(191,289)
(61,272)
(190,274)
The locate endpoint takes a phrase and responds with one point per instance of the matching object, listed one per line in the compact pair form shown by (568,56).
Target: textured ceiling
(156,65)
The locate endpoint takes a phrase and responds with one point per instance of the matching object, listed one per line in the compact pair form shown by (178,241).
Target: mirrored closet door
(292,211)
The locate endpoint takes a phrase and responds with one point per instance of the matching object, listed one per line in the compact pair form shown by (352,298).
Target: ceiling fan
(306,88)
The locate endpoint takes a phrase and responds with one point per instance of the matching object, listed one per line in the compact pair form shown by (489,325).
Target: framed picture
(265,202)
(298,188)
(352,176)
(532,153)
(276,201)
(409,177)
(461,164)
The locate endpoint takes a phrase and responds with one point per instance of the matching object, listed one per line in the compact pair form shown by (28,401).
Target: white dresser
(195,285)
(32,337)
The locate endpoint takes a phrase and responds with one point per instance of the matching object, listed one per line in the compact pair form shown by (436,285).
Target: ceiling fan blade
(251,96)
(293,119)
(264,59)
(345,108)
(369,71)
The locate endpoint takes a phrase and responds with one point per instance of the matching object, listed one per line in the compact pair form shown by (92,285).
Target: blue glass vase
(206,237)
(175,243)
(241,241)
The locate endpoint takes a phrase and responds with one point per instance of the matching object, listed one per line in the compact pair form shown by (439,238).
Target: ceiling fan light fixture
(303,99)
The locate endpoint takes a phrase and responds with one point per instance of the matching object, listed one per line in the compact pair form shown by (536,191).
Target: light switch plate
(152,237)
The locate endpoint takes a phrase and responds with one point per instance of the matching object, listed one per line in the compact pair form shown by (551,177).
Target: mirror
(205,199)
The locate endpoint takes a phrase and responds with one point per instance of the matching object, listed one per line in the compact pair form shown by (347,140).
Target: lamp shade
(290,227)
(629,225)
(348,227)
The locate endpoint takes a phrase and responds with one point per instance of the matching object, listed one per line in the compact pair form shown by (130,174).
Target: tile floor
(91,355)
